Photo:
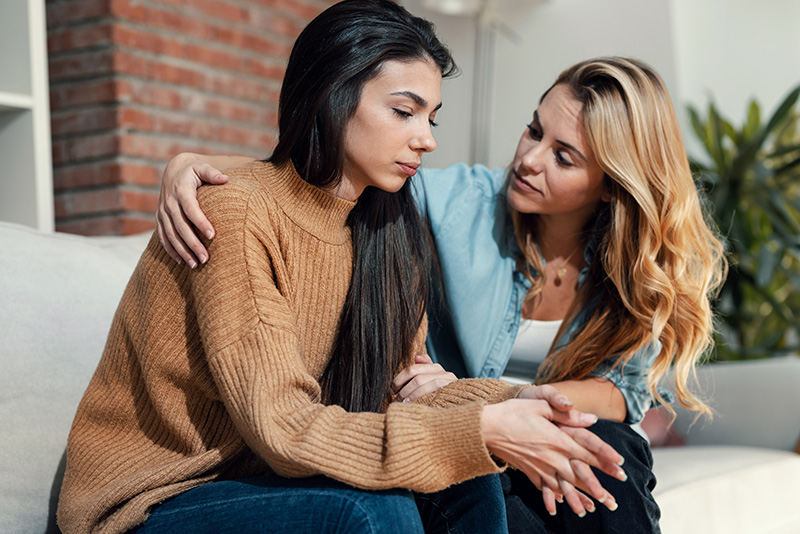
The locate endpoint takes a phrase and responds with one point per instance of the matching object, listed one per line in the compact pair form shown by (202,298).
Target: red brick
(90,174)
(279,25)
(143,201)
(214,9)
(80,149)
(158,148)
(106,173)
(133,82)
(75,94)
(80,65)
(128,63)
(72,38)
(207,53)
(135,119)
(87,202)
(303,10)
(194,102)
(107,225)
(135,225)
(63,13)
(249,41)
(83,121)
(141,174)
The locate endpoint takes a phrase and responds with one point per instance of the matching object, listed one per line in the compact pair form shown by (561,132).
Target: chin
(518,202)
(393,186)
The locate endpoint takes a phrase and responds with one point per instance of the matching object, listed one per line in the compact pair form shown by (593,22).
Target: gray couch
(58,294)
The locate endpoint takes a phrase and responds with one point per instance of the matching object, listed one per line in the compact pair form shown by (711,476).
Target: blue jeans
(322,505)
(637,512)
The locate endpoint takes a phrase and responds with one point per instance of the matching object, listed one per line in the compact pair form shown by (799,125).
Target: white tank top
(531,347)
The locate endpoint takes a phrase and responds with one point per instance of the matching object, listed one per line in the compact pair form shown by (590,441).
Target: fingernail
(407,399)
(203,258)
(582,514)
(621,460)
(591,508)
(588,418)
(613,506)
(622,475)
(553,513)
(209,234)
(192,264)
(602,499)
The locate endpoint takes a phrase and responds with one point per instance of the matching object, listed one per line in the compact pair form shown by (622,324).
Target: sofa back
(58,294)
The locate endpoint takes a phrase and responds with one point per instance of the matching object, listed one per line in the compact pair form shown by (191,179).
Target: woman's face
(554,173)
(391,128)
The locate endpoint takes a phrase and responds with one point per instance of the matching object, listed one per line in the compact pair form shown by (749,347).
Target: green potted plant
(751,178)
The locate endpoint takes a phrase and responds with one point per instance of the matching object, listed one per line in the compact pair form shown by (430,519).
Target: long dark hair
(332,59)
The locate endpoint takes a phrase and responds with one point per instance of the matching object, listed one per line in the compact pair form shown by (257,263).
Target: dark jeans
(321,505)
(637,513)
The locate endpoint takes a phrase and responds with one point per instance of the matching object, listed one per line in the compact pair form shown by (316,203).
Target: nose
(424,140)
(533,158)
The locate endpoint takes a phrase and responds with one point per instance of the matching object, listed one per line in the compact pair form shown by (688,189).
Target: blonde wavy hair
(659,261)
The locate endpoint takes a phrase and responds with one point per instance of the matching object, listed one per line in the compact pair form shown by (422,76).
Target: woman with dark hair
(253,395)
(587,264)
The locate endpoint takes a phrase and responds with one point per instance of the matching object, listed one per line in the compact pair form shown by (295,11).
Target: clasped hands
(539,433)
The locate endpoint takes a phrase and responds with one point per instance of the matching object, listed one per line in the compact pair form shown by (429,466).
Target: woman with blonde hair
(587,264)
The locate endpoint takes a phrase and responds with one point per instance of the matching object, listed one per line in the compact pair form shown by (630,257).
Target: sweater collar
(316,211)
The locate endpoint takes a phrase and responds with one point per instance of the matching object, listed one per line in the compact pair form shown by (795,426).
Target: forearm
(595,395)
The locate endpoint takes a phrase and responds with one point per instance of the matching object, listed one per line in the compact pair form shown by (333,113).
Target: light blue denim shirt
(474,325)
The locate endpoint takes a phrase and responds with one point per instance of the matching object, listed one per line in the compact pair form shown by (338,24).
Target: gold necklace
(562,271)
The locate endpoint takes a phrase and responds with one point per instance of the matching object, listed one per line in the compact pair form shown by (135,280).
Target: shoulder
(462,178)
(247,185)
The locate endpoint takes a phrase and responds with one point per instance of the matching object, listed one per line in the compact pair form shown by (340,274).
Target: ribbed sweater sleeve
(268,283)
(213,373)
(470,390)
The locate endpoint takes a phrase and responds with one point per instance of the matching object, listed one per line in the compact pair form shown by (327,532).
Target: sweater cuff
(471,389)
(454,437)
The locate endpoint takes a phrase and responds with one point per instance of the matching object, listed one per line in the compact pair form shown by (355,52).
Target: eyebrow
(559,141)
(418,100)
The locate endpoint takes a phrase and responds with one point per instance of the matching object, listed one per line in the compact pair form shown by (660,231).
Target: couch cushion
(727,489)
(58,294)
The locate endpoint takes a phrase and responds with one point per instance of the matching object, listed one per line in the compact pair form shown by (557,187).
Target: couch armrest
(755,403)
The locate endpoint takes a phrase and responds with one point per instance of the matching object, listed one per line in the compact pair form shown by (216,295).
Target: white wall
(735,49)
(455,122)
(558,33)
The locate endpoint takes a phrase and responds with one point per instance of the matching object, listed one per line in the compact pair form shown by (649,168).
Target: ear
(606,196)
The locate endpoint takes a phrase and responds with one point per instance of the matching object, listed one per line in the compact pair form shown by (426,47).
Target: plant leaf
(751,148)
(753,121)
(788,166)
(767,263)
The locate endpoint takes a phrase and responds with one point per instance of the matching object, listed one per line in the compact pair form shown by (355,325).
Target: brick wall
(134,82)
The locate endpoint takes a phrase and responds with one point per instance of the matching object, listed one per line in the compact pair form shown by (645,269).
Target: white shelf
(15,101)
(26,175)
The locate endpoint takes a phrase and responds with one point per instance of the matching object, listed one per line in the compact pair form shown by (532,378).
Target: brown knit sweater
(213,374)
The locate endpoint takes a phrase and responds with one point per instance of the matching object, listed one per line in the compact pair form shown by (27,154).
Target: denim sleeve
(442,194)
(631,380)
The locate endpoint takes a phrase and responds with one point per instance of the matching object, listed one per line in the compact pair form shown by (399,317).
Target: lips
(409,168)
(524,185)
